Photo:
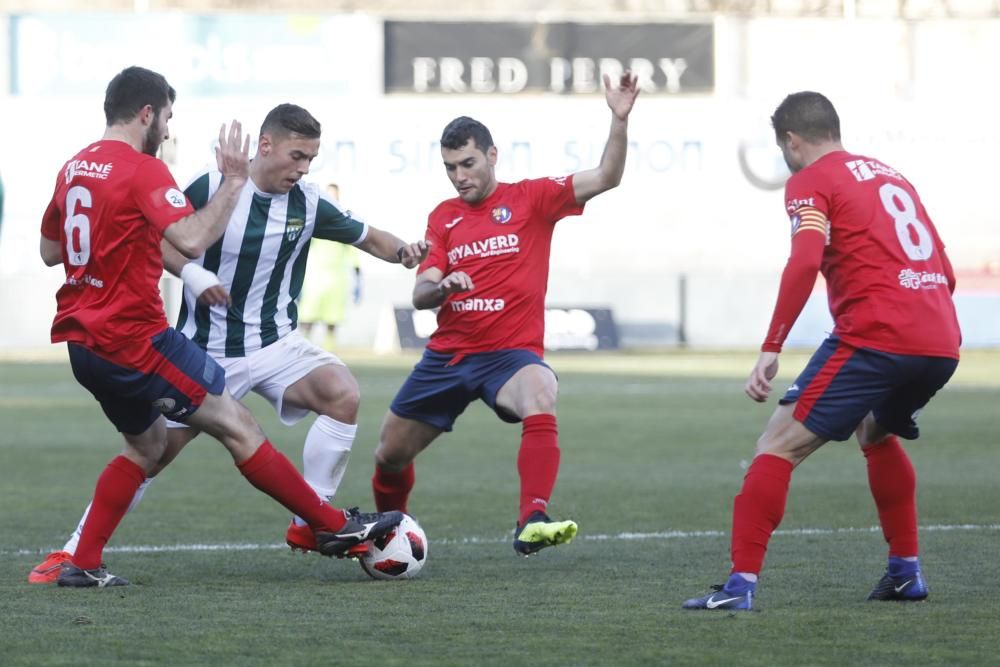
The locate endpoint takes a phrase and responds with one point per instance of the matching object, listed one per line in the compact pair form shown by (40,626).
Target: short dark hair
(289,118)
(809,115)
(458,132)
(131,90)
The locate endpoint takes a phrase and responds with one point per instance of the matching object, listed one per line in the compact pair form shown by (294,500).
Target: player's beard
(151,141)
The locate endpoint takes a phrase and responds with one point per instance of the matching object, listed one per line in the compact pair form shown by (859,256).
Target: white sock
(324,456)
(74,539)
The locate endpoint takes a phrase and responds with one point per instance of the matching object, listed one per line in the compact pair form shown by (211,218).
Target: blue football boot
(736,595)
(901,582)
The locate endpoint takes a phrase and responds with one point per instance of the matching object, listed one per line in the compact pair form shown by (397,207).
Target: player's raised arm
(202,283)
(608,174)
(193,234)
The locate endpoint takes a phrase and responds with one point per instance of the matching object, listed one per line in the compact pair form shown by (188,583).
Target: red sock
(537,463)
(271,472)
(115,488)
(392,489)
(894,487)
(758,510)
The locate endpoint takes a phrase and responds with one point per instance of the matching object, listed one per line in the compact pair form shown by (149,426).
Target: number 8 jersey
(109,210)
(888,279)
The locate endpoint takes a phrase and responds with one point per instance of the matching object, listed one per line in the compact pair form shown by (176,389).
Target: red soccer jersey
(503,244)
(110,207)
(888,278)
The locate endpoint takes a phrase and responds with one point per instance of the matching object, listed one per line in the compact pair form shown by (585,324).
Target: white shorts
(271,370)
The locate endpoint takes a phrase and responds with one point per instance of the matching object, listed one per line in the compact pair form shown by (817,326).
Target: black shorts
(168,375)
(842,384)
(438,391)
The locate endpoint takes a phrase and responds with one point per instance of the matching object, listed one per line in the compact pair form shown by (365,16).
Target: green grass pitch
(653,450)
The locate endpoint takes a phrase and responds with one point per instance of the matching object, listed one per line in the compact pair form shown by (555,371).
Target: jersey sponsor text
(481,305)
(491,247)
(87,169)
(923,279)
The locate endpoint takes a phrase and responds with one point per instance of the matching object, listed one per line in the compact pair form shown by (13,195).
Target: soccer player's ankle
(527,510)
(741,582)
(334,519)
(901,566)
(85,564)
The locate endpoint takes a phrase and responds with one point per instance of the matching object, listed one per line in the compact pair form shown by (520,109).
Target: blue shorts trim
(438,391)
(167,374)
(841,384)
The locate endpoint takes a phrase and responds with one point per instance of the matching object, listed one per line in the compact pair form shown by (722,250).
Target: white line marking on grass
(662,535)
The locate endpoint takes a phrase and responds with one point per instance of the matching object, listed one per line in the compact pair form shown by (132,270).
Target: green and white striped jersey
(261,261)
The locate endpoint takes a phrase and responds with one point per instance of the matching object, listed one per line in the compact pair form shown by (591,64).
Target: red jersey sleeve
(797,281)
(806,189)
(50,222)
(437,257)
(156,194)
(51,218)
(553,197)
(808,207)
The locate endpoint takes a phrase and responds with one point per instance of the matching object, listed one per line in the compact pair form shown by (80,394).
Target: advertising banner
(562,58)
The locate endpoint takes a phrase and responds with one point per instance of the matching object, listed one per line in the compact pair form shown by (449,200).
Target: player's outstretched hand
(412,254)
(758,386)
(215,296)
(622,95)
(233,152)
(459,281)
(205,285)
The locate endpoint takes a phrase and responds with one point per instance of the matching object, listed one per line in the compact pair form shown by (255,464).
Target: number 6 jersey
(888,279)
(109,210)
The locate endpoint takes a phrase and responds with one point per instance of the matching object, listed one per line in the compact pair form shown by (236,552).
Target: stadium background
(699,211)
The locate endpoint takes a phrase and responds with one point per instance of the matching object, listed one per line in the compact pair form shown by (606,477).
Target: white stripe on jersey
(223,335)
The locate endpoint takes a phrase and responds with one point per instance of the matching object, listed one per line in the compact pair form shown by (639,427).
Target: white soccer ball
(399,554)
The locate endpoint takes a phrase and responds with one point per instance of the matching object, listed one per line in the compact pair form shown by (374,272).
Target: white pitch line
(662,535)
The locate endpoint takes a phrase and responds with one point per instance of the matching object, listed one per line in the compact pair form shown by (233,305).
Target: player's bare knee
(393,457)
(146,455)
(234,426)
(394,451)
(344,401)
(869,432)
(764,445)
(246,427)
(538,398)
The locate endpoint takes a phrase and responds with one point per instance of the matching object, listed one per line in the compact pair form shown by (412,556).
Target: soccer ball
(399,554)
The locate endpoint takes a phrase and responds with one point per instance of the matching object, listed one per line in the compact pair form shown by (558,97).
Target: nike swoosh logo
(899,589)
(454,222)
(712,604)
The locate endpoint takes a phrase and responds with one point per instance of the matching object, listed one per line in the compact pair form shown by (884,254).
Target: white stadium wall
(693,201)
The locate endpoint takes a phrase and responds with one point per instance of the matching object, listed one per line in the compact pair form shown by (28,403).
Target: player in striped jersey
(240,306)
